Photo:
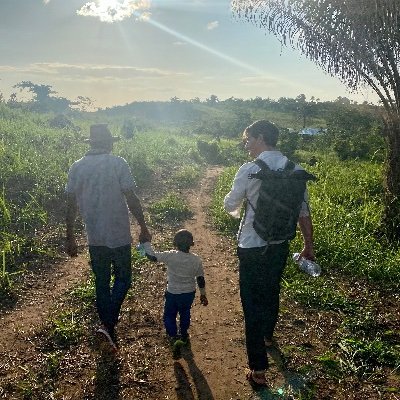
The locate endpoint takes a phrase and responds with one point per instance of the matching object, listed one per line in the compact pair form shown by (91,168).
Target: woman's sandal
(254,380)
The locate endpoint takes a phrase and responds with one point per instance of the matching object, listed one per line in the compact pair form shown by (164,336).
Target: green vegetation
(346,205)
(36,153)
(360,267)
(170,208)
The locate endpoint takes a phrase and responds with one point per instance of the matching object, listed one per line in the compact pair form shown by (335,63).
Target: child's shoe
(176,345)
(185,339)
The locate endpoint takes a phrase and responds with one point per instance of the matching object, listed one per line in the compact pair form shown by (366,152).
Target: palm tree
(357,41)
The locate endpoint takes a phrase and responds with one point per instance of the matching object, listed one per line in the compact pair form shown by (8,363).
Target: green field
(346,206)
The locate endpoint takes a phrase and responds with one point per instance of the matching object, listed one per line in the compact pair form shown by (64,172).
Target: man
(101,186)
(261,264)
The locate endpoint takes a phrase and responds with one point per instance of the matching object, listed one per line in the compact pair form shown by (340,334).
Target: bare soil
(211,368)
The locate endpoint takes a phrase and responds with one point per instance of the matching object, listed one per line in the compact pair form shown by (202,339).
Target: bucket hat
(99,133)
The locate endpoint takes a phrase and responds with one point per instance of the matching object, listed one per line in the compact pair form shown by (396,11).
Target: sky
(119,51)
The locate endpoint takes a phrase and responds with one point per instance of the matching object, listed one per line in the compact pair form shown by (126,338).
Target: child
(183,270)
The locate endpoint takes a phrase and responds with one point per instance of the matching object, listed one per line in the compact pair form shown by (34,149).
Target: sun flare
(114,10)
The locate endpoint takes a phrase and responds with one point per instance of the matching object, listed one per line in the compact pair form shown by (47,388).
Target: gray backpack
(279,201)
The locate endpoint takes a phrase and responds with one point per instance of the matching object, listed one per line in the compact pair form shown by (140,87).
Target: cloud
(116,10)
(90,71)
(212,25)
(261,80)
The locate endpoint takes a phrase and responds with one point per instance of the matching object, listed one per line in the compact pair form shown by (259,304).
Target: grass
(346,208)
(171,208)
(186,176)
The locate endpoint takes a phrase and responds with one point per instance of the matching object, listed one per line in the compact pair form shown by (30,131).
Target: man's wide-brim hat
(99,133)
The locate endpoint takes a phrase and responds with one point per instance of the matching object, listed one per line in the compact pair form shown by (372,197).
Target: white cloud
(212,25)
(97,71)
(116,10)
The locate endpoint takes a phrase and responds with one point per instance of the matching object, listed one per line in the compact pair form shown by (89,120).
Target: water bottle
(141,249)
(308,266)
(145,248)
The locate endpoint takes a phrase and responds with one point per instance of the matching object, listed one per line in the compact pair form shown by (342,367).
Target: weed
(362,356)
(330,364)
(66,330)
(186,176)
(85,293)
(53,363)
(170,208)
(317,293)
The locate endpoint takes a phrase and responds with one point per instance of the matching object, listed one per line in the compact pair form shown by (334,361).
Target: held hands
(203,300)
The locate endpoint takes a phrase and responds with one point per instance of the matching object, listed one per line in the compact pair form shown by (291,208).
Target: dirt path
(214,366)
(19,325)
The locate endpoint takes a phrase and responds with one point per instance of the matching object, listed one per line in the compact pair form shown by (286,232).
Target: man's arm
(306,228)
(136,209)
(72,210)
(233,201)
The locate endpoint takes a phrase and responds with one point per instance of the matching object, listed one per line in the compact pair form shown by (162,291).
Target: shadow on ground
(184,388)
(294,383)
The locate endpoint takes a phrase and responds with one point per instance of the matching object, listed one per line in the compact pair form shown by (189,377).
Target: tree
(212,100)
(41,97)
(357,41)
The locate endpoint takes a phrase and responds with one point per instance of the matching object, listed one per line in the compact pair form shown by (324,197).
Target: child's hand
(203,300)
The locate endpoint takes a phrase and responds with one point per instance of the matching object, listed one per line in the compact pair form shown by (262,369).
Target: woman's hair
(264,128)
(183,240)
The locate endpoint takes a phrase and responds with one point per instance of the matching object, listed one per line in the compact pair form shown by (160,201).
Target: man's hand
(307,253)
(203,300)
(71,247)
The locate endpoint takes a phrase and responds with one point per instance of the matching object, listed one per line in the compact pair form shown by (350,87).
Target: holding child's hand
(203,300)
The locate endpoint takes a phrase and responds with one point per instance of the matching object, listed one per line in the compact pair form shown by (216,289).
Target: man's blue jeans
(260,273)
(105,263)
(177,304)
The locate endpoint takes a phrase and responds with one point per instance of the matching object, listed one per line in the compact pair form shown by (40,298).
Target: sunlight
(114,10)
(118,10)
(202,46)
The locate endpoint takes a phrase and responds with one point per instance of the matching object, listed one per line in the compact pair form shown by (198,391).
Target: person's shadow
(184,391)
(107,380)
(294,383)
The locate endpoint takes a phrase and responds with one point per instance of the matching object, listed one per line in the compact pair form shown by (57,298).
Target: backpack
(279,201)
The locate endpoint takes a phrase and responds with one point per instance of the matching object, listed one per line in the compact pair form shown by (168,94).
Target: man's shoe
(104,334)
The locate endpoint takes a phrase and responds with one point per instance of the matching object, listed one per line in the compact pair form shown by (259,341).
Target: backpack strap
(290,165)
(264,167)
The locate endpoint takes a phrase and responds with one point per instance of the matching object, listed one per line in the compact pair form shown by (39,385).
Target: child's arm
(149,251)
(201,283)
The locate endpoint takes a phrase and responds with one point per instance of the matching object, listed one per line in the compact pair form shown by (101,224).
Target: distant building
(312,131)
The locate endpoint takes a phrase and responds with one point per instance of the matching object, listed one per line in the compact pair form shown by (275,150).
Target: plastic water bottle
(141,249)
(308,266)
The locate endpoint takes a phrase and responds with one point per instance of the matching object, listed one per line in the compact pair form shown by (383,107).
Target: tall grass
(36,157)
(346,205)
